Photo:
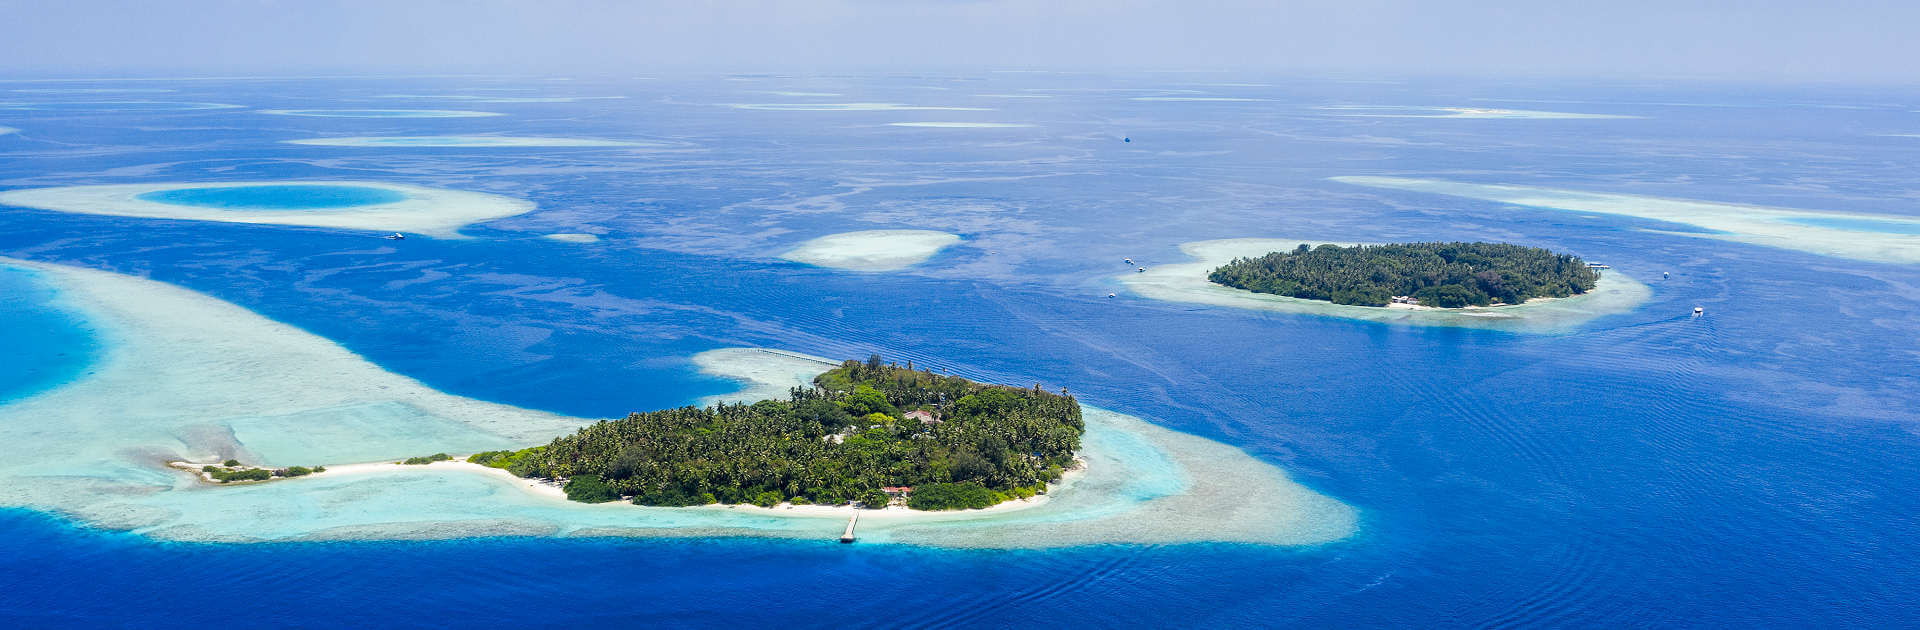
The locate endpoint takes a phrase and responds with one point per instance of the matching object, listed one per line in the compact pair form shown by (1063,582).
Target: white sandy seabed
(1187,282)
(872,250)
(186,377)
(1784,228)
(432,211)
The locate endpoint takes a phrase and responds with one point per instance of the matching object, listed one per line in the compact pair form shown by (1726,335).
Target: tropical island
(1439,275)
(866,433)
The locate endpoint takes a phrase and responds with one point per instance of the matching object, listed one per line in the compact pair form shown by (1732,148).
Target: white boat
(396,236)
(1698,311)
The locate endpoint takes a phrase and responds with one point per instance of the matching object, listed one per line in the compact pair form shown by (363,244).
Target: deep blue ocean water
(268,197)
(1753,467)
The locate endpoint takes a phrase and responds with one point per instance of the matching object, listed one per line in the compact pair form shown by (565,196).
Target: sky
(1754,40)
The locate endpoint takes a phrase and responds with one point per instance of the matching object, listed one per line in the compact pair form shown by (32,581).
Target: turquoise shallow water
(45,346)
(269,197)
(1860,225)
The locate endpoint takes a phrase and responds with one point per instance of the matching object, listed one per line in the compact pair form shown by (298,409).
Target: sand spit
(872,250)
(431,211)
(1868,237)
(1187,282)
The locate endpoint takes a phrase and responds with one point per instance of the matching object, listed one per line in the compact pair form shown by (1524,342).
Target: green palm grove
(1447,275)
(838,442)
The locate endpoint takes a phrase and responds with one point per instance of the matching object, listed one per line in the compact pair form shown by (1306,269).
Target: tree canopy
(1446,275)
(838,442)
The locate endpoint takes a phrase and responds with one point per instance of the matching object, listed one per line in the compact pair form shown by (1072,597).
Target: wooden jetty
(847,537)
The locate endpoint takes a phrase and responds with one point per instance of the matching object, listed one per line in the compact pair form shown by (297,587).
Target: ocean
(1749,467)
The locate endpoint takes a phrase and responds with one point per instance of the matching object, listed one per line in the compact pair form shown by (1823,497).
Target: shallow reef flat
(357,205)
(1187,282)
(872,250)
(467,141)
(1868,237)
(186,377)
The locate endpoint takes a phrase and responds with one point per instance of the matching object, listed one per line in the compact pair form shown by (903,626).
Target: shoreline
(549,489)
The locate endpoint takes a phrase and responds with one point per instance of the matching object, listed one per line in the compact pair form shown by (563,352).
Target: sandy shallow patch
(1897,240)
(432,211)
(185,377)
(1187,282)
(872,250)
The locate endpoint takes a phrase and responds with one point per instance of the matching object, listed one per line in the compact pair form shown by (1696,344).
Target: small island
(867,432)
(1437,275)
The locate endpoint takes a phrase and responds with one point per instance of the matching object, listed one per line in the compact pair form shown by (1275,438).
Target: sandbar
(872,250)
(431,211)
(1187,282)
(1875,237)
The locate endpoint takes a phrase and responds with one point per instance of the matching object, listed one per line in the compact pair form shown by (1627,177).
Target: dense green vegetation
(1447,275)
(836,443)
(428,459)
(232,470)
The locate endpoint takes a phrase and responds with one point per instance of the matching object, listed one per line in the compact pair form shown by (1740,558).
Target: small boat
(1129,261)
(1142,270)
(1126,139)
(1598,266)
(1110,295)
(396,236)
(1698,311)
(1664,275)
